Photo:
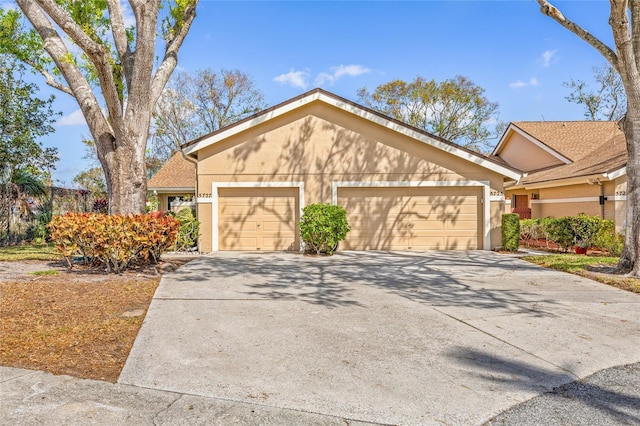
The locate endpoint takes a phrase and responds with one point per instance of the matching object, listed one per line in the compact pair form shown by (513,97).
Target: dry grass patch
(66,325)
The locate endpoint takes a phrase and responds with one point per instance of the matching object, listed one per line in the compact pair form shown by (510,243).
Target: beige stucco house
(402,188)
(568,168)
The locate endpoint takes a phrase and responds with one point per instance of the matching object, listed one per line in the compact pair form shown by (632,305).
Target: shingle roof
(572,139)
(176,173)
(595,147)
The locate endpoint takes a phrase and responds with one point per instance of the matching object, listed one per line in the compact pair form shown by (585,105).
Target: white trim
(497,198)
(167,189)
(580,199)
(215,186)
(561,182)
(616,173)
(204,200)
(339,103)
(536,142)
(485,185)
(567,200)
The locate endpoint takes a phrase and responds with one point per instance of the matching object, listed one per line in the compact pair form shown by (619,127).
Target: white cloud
(519,83)
(74,119)
(548,57)
(339,72)
(293,78)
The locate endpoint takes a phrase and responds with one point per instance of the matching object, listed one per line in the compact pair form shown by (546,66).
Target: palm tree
(18,192)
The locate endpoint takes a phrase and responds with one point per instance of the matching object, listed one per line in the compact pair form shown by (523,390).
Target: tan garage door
(411,218)
(258,218)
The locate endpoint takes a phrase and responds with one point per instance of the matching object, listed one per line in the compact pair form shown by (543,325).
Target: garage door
(411,218)
(257,218)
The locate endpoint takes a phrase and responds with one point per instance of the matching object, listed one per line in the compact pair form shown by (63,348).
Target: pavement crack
(165,409)
(570,373)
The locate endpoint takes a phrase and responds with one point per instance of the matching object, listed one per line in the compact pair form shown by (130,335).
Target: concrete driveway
(398,338)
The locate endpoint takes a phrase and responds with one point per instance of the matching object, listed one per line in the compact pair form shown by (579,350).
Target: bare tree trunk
(125,170)
(629,260)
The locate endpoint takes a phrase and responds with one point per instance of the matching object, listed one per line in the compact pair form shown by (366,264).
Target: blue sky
(519,56)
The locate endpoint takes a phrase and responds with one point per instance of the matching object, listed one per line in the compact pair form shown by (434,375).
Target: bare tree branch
(97,52)
(551,11)
(170,59)
(54,45)
(119,32)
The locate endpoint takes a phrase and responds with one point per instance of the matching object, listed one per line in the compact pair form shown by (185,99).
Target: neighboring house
(402,188)
(568,168)
(174,183)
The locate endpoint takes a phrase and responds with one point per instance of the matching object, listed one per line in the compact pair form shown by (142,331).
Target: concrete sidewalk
(28,398)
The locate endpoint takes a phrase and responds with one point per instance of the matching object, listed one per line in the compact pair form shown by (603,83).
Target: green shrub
(189,229)
(322,226)
(559,231)
(608,239)
(510,231)
(585,229)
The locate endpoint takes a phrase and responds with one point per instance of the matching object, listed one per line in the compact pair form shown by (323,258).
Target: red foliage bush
(113,241)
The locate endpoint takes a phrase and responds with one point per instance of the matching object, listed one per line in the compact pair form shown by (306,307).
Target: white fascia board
(503,139)
(534,141)
(168,189)
(330,100)
(565,182)
(616,173)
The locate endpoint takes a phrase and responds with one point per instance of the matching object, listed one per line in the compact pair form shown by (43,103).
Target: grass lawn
(598,268)
(30,252)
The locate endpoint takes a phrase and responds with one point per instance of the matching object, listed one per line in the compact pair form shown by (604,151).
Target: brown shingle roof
(572,139)
(176,173)
(595,147)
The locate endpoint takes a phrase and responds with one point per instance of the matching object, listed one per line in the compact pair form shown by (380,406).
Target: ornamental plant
(113,241)
(322,227)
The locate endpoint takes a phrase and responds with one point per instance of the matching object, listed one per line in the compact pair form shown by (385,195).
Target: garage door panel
(257,218)
(411,218)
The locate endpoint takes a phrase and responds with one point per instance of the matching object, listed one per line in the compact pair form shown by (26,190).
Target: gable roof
(572,139)
(178,173)
(320,95)
(588,148)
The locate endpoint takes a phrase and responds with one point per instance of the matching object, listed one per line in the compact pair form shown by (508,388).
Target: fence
(23,218)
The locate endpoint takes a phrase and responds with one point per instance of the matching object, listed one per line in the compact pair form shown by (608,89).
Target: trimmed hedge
(510,231)
(569,231)
(111,240)
(322,227)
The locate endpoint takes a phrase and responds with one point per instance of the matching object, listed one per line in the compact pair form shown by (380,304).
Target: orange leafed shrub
(114,241)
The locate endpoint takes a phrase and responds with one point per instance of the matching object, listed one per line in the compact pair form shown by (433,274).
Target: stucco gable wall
(322,140)
(523,154)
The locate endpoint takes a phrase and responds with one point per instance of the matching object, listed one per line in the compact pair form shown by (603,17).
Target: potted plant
(581,247)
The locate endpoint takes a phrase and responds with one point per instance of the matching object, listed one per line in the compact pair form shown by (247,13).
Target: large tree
(194,105)
(624,56)
(455,109)
(607,101)
(85,49)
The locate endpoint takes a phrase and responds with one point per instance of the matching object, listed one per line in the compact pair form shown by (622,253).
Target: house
(174,184)
(402,188)
(568,168)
